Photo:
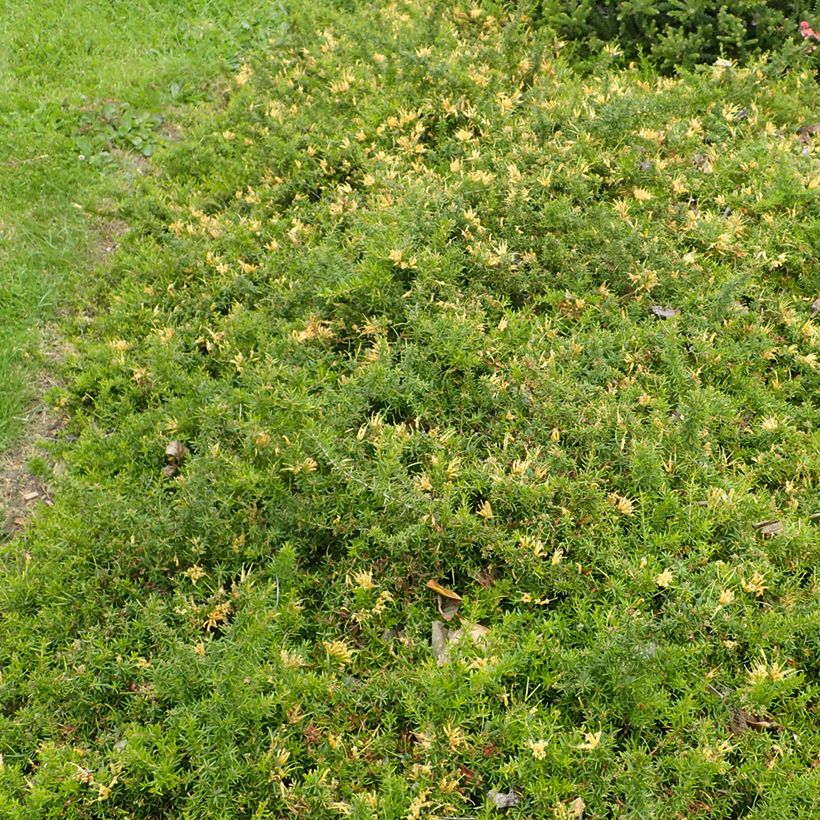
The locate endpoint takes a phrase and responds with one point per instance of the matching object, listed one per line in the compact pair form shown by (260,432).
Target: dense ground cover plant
(419,301)
(674,33)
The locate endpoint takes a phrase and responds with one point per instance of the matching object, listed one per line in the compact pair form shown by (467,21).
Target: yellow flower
(456,739)
(539,749)
(290,660)
(385,598)
(762,671)
(218,615)
(592,740)
(243,75)
(424,484)
(195,573)
(339,650)
(756,584)
(396,256)
(716,753)
(664,580)
(364,579)
(486,510)
(625,506)
(84,775)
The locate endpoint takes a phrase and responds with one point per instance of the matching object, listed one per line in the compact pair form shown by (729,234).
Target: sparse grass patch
(422,302)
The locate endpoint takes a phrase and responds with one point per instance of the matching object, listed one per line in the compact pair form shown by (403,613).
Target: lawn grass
(418,299)
(68,68)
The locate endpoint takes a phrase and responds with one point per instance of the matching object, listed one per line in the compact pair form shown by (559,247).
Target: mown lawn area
(413,297)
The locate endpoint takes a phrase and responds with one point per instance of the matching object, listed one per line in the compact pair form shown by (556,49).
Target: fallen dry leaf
(741,721)
(477,632)
(702,163)
(806,132)
(447,600)
(447,607)
(815,307)
(438,642)
(503,800)
(768,529)
(175,452)
(664,312)
(443,639)
(468,774)
(447,593)
(487,577)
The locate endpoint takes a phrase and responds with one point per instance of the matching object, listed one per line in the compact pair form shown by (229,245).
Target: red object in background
(807,32)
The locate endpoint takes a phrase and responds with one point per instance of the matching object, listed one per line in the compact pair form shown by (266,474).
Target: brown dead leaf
(768,529)
(741,721)
(176,451)
(702,163)
(806,132)
(438,642)
(443,639)
(468,774)
(447,600)
(487,577)
(815,307)
(447,607)
(763,724)
(447,593)
(312,735)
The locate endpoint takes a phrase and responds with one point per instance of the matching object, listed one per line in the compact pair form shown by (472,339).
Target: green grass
(397,292)
(61,64)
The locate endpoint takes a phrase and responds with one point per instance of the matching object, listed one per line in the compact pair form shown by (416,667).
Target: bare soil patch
(20,490)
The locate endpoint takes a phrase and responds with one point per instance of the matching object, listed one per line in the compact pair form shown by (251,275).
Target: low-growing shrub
(415,300)
(673,33)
